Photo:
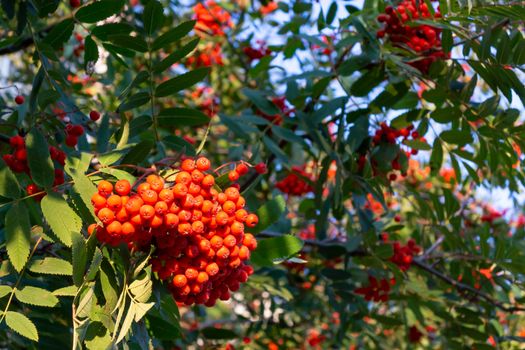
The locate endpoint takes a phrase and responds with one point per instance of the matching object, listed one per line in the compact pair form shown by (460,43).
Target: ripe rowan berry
(233,175)
(19,99)
(260,168)
(114,202)
(122,187)
(115,228)
(75,3)
(71,140)
(147,212)
(98,200)
(252,220)
(94,115)
(106,215)
(180,281)
(241,169)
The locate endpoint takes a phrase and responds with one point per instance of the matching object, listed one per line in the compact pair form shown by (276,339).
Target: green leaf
(119,174)
(181,82)
(17,235)
(94,267)
(218,333)
(134,101)
(60,33)
(82,184)
(38,158)
(98,10)
(457,137)
(104,31)
(275,149)
(173,35)
(418,144)
(9,186)
(21,325)
(135,43)
(261,102)
(368,81)
(5,290)
(79,253)
(126,324)
(182,117)
(138,153)
(61,217)
(69,291)
(274,250)
(51,266)
(90,52)
(176,56)
(269,213)
(36,296)
(153,16)
(436,159)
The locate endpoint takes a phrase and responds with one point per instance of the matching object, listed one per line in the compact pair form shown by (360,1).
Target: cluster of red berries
(294,183)
(207,56)
(17,162)
(198,232)
(376,290)
(391,135)
(242,169)
(404,255)
(211,18)
(286,111)
(77,51)
(73,132)
(422,39)
(257,52)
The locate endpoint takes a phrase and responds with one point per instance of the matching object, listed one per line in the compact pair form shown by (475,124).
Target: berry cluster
(277,119)
(376,290)
(17,162)
(211,18)
(206,99)
(294,183)
(207,56)
(422,39)
(198,232)
(256,53)
(403,255)
(73,132)
(77,51)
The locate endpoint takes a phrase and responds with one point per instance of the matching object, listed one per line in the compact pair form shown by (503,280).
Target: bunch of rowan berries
(211,18)
(199,232)
(281,104)
(17,162)
(376,290)
(73,132)
(423,39)
(294,183)
(257,52)
(404,254)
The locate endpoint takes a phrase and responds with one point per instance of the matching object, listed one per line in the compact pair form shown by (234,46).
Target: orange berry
(183,177)
(105,187)
(161,208)
(235,263)
(171,220)
(174,208)
(212,269)
(194,189)
(156,221)
(208,181)
(241,168)
(180,281)
(191,273)
(136,220)
(252,220)
(232,193)
(233,175)
(223,253)
(114,202)
(147,212)
(185,215)
(237,228)
(156,183)
(197,176)
(91,228)
(244,253)
(98,200)
(229,241)
(221,218)
(188,165)
(204,245)
(250,241)
(151,179)
(241,202)
(115,228)
(122,215)
(184,229)
(128,228)
(207,206)
(149,197)
(180,190)
(203,164)
(241,215)
(197,227)
(133,205)
(221,198)
(166,195)
(143,187)
(106,215)
(202,277)
(229,207)
(123,187)
(216,242)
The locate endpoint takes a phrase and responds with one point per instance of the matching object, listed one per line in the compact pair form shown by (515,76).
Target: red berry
(76,130)
(74,3)
(19,99)
(94,115)
(17,141)
(71,140)
(261,168)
